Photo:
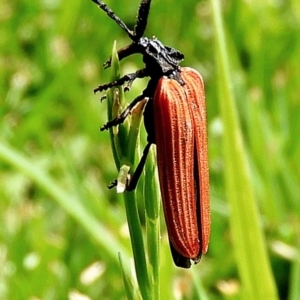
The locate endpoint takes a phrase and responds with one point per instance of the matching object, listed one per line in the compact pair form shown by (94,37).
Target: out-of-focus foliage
(61,229)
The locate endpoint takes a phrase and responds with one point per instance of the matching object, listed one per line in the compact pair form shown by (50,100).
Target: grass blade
(248,240)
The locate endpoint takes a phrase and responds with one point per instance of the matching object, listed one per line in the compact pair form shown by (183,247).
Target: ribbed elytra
(181,139)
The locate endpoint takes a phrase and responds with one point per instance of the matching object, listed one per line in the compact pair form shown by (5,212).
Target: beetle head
(156,53)
(158,58)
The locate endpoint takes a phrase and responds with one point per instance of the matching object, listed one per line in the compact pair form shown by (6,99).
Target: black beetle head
(156,56)
(155,52)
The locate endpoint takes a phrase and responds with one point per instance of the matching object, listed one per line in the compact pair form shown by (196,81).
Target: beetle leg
(139,169)
(122,53)
(126,78)
(121,118)
(113,184)
(132,183)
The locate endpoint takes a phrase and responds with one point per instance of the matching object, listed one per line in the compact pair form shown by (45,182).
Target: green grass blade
(131,291)
(137,243)
(248,240)
(67,200)
(152,207)
(200,290)
(124,144)
(294,287)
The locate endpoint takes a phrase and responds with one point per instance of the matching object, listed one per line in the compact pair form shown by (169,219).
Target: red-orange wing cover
(182,158)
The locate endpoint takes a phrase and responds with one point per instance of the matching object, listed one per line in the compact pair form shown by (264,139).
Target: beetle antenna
(113,16)
(141,19)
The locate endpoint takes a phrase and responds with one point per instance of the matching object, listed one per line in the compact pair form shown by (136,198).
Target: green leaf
(246,229)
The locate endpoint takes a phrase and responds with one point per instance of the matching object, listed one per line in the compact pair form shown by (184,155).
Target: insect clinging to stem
(175,120)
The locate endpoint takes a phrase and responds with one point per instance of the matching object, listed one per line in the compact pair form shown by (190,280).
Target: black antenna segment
(141,20)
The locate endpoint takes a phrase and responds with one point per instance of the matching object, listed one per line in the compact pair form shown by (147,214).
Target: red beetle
(175,120)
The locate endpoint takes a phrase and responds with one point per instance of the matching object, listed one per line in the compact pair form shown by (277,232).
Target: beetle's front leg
(121,118)
(122,53)
(132,182)
(126,78)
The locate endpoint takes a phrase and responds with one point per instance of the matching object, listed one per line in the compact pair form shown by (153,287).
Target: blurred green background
(61,229)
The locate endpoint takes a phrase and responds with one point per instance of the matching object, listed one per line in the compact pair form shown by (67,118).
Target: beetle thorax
(159,59)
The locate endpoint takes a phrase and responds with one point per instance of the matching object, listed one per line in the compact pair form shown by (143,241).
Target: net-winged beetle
(175,120)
